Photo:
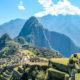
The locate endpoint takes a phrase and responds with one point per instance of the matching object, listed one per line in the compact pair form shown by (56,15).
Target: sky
(12,9)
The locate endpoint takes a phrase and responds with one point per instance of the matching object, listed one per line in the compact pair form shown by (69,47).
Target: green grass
(43,58)
(16,69)
(55,70)
(77,66)
(77,76)
(4,49)
(27,52)
(78,54)
(12,43)
(74,58)
(64,61)
(38,63)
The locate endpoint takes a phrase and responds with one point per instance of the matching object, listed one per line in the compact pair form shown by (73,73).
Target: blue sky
(12,9)
(9,9)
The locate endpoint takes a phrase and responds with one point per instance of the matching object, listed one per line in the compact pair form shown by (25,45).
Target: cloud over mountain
(62,7)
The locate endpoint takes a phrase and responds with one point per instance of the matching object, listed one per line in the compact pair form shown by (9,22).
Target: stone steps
(6,75)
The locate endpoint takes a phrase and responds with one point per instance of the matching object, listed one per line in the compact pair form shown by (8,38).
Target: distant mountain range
(68,25)
(35,34)
(12,27)
(52,38)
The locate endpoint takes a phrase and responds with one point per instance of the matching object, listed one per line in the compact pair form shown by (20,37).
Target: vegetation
(42,52)
(78,54)
(27,52)
(20,40)
(77,76)
(43,58)
(34,73)
(55,70)
(64,61)
(38,63)
(27,62)
(36,70)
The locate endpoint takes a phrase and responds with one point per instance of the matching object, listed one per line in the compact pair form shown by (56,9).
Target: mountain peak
(5,37)
(33,18)
(32,21)
(30,26)
(33,33)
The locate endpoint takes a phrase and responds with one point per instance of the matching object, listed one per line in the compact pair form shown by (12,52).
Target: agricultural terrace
(64,61)
(27,52)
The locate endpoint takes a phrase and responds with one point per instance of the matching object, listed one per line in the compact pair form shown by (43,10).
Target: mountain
(68,25)
(31,62)
(61,43)
(9,46)
(20,40)
(12,28)
(34,33)
(3,39)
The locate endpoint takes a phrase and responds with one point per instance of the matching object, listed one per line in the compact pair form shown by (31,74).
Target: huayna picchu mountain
(34,33)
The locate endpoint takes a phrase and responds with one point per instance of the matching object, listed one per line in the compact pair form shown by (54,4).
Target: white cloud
(62,7)
(20,6)
(46,3)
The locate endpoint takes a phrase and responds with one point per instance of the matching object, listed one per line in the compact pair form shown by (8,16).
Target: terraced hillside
(27,62)
(27,66)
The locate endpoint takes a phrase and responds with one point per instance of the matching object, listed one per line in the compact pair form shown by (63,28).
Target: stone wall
(53,75)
